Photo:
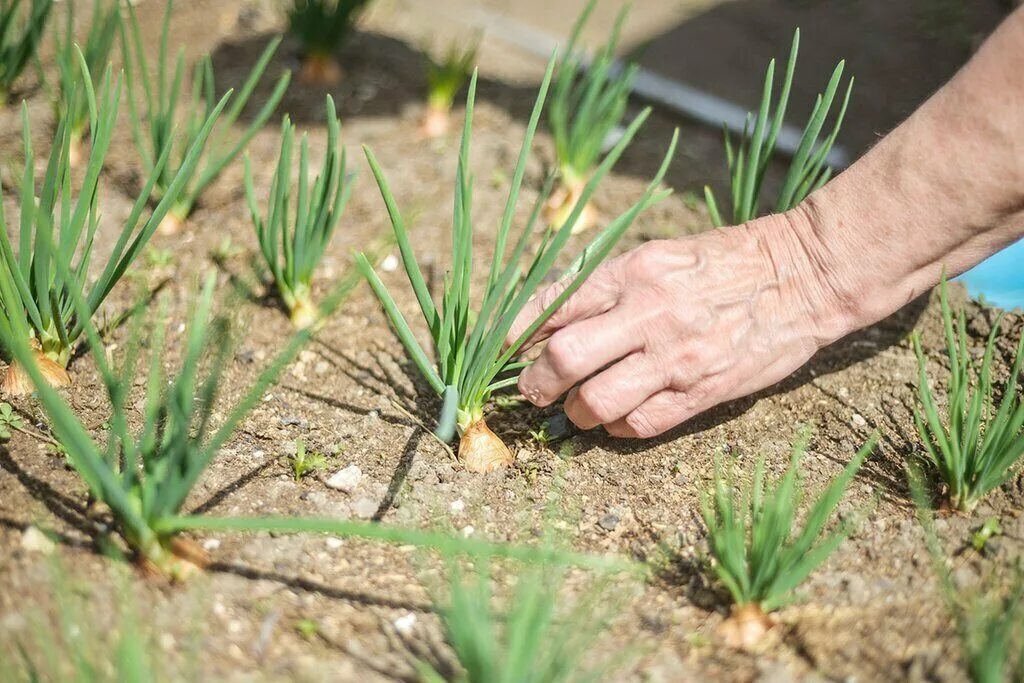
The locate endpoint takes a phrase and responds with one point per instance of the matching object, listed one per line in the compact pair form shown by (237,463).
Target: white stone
(389,264)
(365,508)
(859,420)
(405,623)
(334,543)
(346,480)
(211,544)
(468,530)
(35,541)
(457,506)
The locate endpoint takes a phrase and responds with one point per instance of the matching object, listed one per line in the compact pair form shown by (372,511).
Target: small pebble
(467,531)
(858,420)
(419,470)
(457,506)
(609,522)
(445,472)
(211,544)
(389,264)
(346,480)
(167,642)
(405,623)
(334,543)
(35,541)
(365,508)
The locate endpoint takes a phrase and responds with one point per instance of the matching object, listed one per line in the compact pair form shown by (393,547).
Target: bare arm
(677,326)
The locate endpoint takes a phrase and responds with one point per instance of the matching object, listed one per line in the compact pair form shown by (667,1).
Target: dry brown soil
(870,613)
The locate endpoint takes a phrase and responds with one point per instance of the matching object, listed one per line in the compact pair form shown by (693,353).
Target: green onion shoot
(52,258)
(155,99)
(445,78)
(588,102)
(977,444)
(748,160)
(299,224)
(758,553)
(471,359)
(321,27)
(97,48)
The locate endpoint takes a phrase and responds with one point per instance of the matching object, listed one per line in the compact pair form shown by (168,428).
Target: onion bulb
(320,70)
(562,202)
(481,450)
(746,626)
(18,383)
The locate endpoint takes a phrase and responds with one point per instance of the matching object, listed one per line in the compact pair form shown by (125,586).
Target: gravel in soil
(871,612)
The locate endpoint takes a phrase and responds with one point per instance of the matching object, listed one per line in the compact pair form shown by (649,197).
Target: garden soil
(315,608)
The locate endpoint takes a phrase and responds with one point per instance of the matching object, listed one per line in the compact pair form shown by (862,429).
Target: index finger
(597,295)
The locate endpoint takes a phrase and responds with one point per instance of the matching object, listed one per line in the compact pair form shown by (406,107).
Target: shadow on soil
(75,515)
(899,52)
(309,586)
(64,508)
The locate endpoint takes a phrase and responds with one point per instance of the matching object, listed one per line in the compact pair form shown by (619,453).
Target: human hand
(675,327)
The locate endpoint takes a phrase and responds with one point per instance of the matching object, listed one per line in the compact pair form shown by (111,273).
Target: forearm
(942,191)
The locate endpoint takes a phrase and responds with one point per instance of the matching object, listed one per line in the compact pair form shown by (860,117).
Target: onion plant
(144,476)
(588,102)
(976,445)
(21,30)
(989,619)
(472,360)
(293,242)
(321,27)
(445,78)
(535,634)
(758,554)
(747,160)
(97,47)
(156,129)
(52,259)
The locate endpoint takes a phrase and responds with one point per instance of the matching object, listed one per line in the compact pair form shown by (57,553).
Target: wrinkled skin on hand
(675,327)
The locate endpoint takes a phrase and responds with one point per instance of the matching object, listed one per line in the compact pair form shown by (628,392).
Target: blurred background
(899,51)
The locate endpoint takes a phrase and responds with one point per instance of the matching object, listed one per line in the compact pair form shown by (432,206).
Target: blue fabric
(999,280)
